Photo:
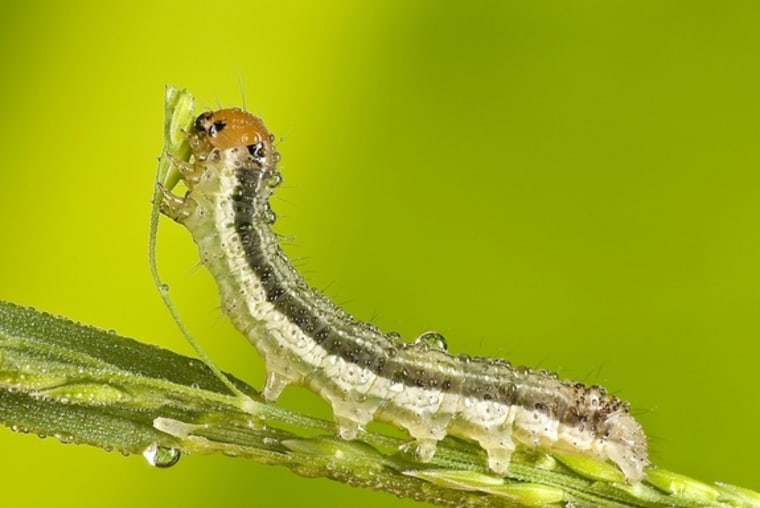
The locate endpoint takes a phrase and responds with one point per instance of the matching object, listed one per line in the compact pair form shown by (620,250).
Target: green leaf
(85,385)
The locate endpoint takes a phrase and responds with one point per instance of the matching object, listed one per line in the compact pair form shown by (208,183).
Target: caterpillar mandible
(363,373)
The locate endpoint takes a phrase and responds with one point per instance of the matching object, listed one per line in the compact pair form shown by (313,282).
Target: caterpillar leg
(426,434)
(426,449)
(631,465)
(187,171)
(274,386)
(171,205)
(499,458)
(422,448)
(347,428)
(353,414)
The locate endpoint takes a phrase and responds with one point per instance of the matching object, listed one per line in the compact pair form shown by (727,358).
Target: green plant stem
(178,118)
(88,386)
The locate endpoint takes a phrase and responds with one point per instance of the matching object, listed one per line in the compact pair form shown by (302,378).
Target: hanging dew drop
(161,456)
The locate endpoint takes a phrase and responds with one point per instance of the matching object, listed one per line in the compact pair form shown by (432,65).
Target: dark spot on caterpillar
(243,208)
(376,364)
(216,127)
(321,335)
(256,150)
(332,343)
(310,325)
(265,273)
(506,392)
(201,122)
(398,375)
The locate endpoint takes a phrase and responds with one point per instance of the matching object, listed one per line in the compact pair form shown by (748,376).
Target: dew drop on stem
(161,456)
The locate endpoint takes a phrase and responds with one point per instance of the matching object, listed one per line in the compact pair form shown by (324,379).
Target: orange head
(228,128)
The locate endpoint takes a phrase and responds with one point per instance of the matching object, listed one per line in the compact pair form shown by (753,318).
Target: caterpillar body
(363,373)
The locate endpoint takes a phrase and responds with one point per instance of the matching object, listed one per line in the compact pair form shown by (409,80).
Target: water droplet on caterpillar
(432,340)
(394,336)
(161,456)
(275,179)
(269,216)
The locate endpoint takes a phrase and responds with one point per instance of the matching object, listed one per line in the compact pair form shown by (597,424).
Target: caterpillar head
(235,128)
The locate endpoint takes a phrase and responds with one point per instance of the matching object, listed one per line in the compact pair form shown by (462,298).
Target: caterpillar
(363,373)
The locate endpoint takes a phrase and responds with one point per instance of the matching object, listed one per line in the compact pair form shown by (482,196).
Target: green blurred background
(571,185)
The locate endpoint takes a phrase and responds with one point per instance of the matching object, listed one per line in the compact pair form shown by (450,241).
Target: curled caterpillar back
(363,373)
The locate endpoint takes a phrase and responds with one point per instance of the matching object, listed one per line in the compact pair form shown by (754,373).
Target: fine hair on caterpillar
(363,373)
